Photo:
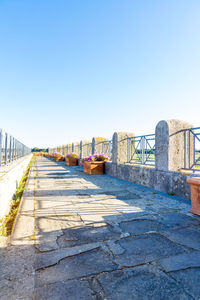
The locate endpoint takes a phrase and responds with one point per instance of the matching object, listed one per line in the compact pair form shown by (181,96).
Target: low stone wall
(163,181)
(9,180)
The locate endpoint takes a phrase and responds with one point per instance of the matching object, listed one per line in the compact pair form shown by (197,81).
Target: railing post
(81,149)
(10,149)
(1,142)
(129,150)
(142,149)
(13,148)
(120,147)
(110,150)
(170,145)
(6,145)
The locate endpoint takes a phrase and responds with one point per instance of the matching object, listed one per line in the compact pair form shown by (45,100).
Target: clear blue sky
(73,69)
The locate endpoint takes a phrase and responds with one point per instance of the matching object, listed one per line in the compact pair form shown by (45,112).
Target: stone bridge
(99,237)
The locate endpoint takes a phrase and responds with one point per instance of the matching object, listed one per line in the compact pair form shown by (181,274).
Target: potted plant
(72,159)
(195,195)
(94,164)
(58,156)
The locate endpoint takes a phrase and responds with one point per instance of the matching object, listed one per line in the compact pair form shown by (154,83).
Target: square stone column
(81,149)
(120,149)
(170,145)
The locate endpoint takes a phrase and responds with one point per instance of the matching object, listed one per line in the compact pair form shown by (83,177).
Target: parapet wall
(163,181)
(161,166)
(9,180)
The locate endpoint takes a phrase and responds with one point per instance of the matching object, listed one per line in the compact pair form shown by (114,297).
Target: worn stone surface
(138,227)
(82,265)
(98,237)
(73,290)
(189,236)
(140,283)
(145,248)
(181,261)
(190,279)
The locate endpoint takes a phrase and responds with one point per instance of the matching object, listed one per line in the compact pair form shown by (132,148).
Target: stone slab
(140,283)
(142,249)
(84,264)
(189,279)
(189,237)
(72,290)
(180,262)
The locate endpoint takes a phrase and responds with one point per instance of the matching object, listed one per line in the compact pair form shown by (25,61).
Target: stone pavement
(98,237)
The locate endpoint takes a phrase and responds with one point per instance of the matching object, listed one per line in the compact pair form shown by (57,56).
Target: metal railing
(106,147)
(141,150)
(87,149)
(192,148)
(11,149)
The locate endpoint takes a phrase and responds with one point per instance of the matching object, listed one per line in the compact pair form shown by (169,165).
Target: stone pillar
(97,145)
(72,147)
(81,149)
(120,147)
(169,145)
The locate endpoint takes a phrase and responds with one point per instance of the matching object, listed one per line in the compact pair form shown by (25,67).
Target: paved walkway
(98,237)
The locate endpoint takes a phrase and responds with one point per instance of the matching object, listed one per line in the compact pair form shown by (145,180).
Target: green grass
(6,224)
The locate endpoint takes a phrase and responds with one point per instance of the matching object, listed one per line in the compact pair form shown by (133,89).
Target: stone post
(120,150)
(81,149)
(169,145)
(97,145)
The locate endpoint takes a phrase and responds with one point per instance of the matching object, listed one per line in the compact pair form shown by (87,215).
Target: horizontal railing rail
(141,149)
(11,149)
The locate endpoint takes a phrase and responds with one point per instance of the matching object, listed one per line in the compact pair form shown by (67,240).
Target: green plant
(6,224)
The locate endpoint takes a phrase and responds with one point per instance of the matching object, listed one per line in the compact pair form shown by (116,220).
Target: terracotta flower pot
(71,161)
(94,167)
(195,195)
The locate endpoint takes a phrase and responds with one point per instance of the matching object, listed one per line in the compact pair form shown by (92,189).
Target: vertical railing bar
(185,149)
(10,149)
(128,150)
(194,149)
(1,138)
(189,150)
(6,140)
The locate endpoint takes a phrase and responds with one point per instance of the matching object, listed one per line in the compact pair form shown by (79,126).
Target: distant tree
(36,149)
